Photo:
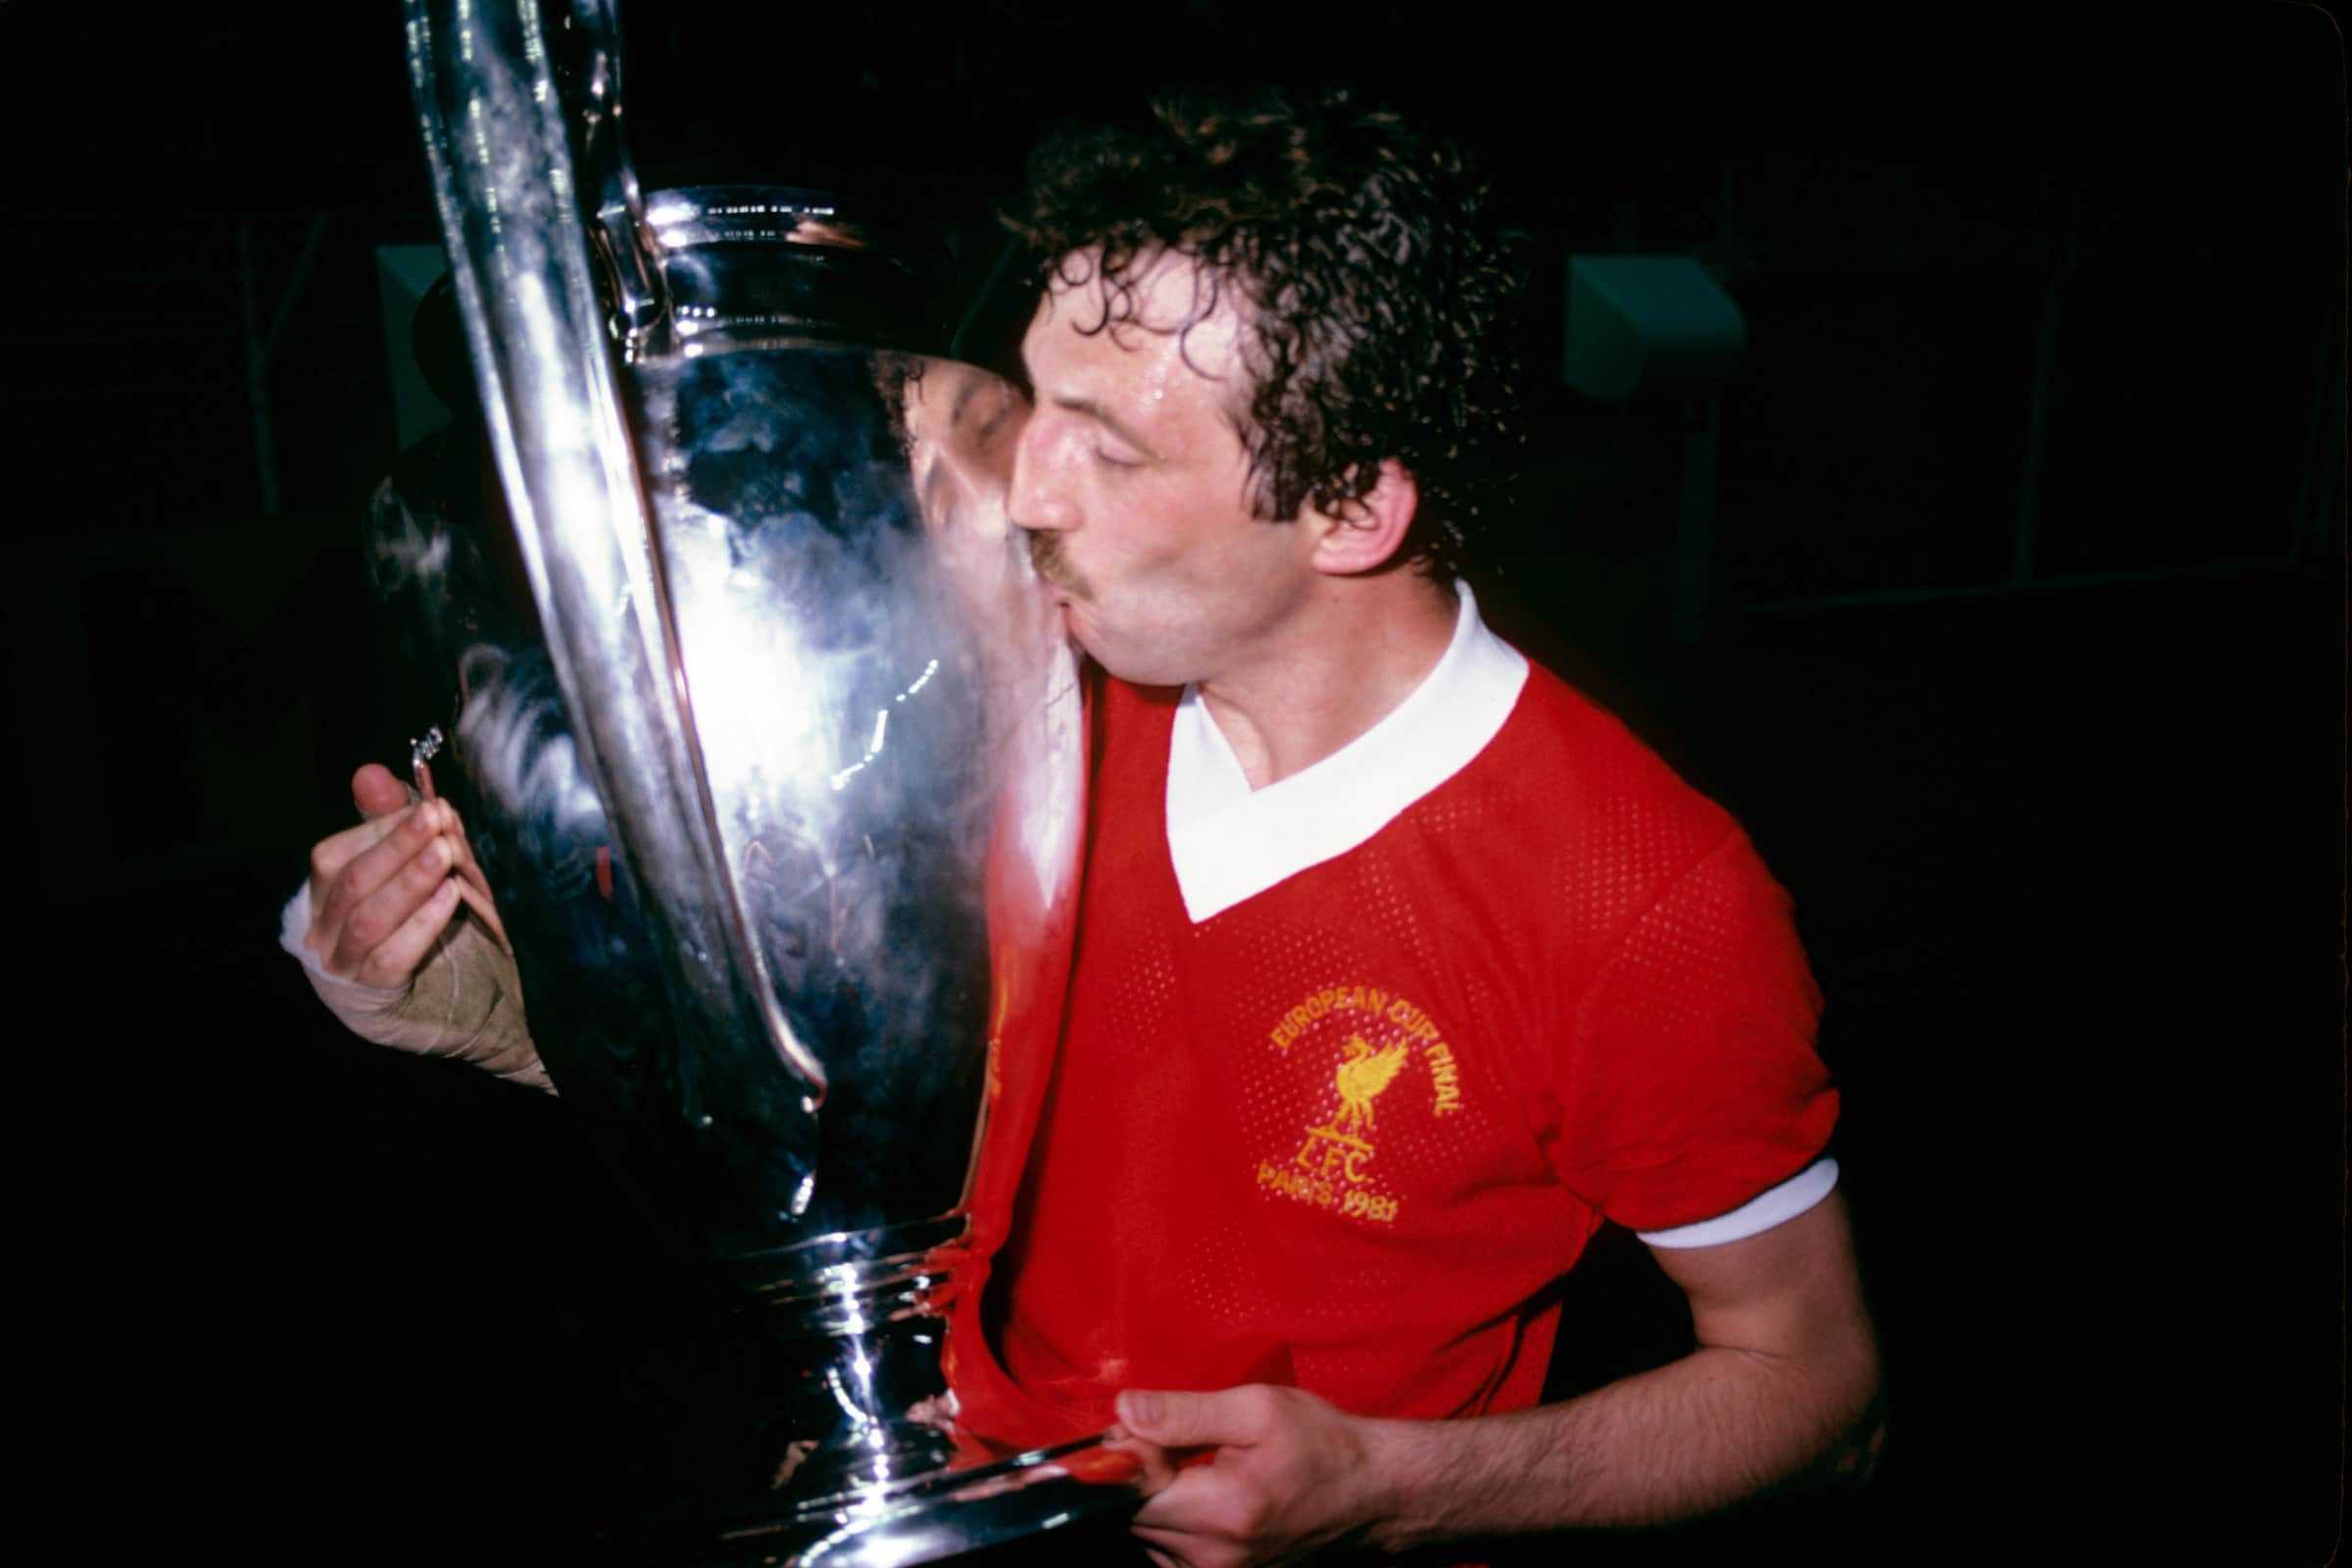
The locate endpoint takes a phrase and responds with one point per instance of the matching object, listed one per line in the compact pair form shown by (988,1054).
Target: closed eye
(1110,425)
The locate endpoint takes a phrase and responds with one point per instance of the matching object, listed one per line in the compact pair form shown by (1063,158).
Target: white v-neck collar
(1228,842)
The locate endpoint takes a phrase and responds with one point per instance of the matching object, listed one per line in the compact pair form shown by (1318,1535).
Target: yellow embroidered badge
(1332,1165)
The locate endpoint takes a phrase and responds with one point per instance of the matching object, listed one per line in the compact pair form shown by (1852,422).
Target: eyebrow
(1096,412)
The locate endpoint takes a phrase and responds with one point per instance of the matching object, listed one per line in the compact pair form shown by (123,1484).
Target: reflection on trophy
(776,777)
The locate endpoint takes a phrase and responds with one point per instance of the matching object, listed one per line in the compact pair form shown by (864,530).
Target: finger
(372,918)
(476,890)
(394,960)
(1159,1467)
(467,866)
(1177,1420)
(398,840)
(483,910)
(1172,1549)
(331,856)
(1202,1541)
(378,791)
(1208,1520)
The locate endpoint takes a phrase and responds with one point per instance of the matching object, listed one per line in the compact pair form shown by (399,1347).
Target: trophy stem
(869,1408)
(865,1436)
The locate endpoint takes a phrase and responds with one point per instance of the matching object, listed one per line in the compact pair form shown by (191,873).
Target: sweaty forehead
(1161,308)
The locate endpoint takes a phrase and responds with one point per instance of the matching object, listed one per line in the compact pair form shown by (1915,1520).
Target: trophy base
(1029,1501)
(852,1456)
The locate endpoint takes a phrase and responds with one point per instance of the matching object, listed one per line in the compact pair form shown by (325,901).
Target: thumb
(1184,1420)
(376,792)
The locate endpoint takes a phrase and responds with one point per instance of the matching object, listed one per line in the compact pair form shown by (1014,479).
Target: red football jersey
(1353,1066)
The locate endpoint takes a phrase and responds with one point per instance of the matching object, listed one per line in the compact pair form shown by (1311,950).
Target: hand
(1288,1474)
(383,892)
(379,948)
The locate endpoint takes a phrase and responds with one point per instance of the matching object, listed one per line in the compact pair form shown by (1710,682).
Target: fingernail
(1138,1410)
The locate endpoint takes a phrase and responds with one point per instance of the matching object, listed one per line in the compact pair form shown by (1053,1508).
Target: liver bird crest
(1362,1074)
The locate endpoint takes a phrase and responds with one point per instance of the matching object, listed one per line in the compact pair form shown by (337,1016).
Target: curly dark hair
(1373,284)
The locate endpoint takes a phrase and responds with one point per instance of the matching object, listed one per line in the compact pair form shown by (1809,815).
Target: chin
(1123,663)
(1138,660)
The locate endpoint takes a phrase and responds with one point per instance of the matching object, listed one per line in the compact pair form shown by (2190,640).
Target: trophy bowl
(776,773)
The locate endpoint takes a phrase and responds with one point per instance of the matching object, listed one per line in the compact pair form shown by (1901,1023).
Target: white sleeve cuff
(295,924)
(1775,1207)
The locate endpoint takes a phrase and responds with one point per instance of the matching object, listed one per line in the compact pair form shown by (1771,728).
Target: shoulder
(1584,831)
(1577,776)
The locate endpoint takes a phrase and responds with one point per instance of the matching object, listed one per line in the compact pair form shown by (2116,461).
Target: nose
(1037,499)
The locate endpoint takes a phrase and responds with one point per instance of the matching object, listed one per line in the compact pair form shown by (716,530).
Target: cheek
(1134,535)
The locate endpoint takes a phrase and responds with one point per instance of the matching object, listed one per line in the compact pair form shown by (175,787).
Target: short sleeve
(1688,1083)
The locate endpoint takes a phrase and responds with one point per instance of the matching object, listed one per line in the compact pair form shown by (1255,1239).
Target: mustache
(1047,555)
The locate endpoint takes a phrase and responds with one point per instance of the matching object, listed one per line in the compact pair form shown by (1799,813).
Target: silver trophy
(775,771)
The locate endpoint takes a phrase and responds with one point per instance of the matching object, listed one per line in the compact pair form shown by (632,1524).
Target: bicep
(1792,1291)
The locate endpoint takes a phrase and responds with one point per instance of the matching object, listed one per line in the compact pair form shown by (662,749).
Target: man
(1401,967)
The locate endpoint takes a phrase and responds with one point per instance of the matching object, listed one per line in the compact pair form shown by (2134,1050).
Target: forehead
(1163,324)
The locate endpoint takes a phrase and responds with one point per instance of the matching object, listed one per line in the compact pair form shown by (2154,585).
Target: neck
(1354,650)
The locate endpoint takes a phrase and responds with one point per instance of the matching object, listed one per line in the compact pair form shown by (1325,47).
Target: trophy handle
(608,179)
(507,162)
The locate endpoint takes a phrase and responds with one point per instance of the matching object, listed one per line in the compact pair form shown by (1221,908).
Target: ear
(1364,535)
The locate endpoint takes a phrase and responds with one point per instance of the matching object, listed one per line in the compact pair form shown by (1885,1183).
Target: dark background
(2022,659)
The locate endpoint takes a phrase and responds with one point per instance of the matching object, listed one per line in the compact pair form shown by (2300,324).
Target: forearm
(1784,1386)
(1715,1428)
